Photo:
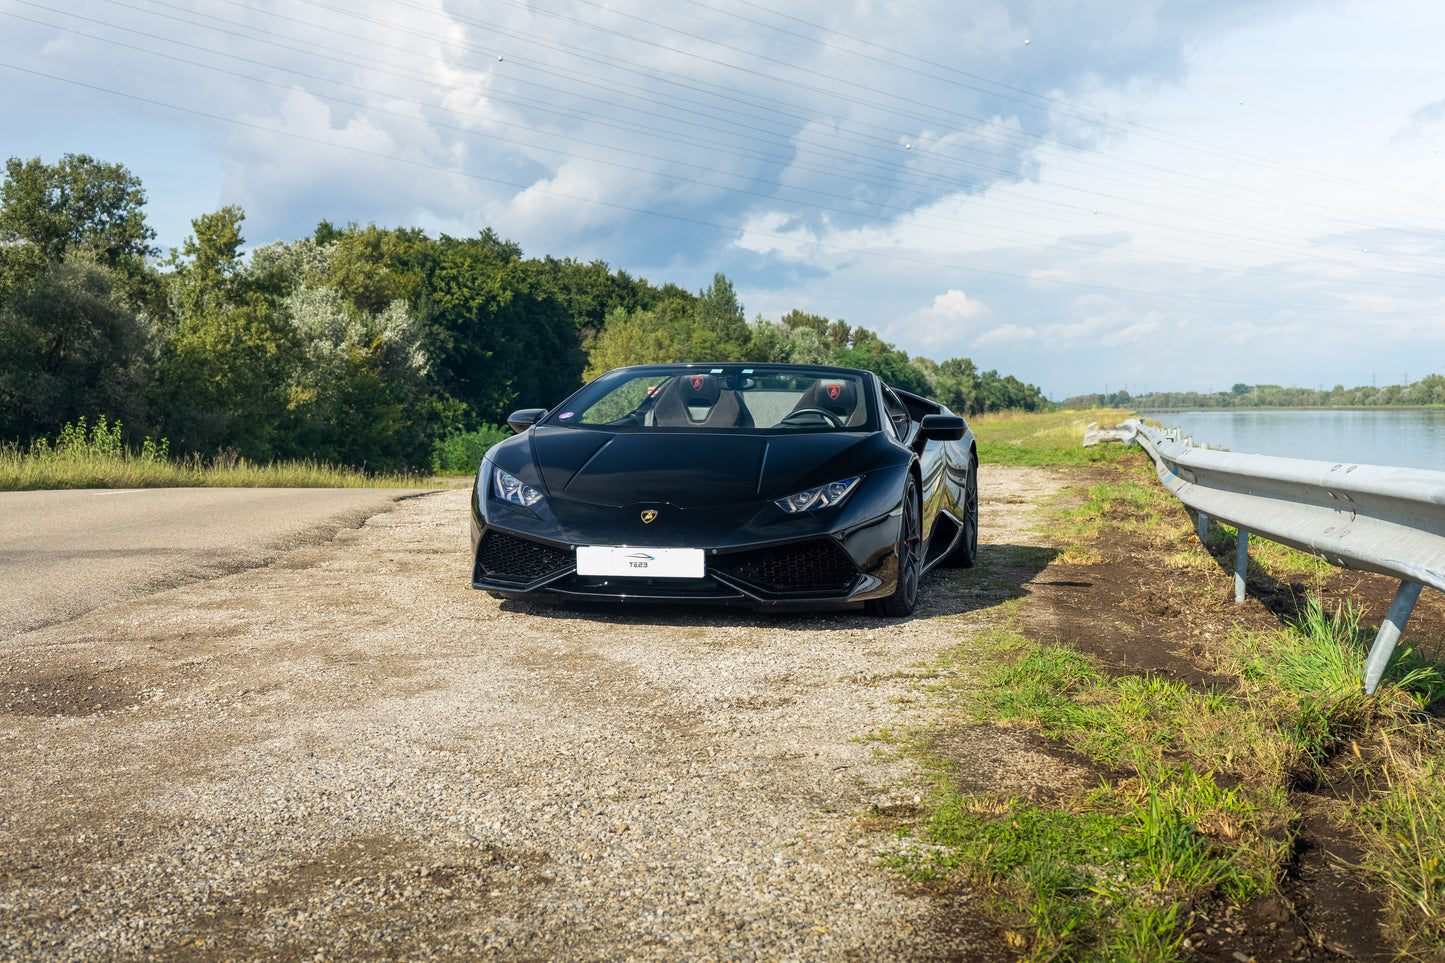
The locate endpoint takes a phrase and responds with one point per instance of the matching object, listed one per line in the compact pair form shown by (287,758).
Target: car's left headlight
(509,488)
(824,496)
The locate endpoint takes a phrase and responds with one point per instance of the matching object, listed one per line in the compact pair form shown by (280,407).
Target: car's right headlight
(824,496)
(509,488)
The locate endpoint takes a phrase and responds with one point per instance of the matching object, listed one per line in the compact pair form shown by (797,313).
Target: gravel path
(349,754)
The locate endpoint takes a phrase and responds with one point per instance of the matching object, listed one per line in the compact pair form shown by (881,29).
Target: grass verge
(1196,811)
(95,458)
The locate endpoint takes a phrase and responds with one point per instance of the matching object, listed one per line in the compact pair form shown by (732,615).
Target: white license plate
(640,562)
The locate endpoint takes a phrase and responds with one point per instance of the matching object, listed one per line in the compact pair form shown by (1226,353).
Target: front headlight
(824,496)
(510,489)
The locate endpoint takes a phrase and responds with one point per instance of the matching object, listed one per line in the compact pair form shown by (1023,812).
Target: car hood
(690,469)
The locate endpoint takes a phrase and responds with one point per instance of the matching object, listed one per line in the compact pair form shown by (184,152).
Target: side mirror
(942,428)
(520,421)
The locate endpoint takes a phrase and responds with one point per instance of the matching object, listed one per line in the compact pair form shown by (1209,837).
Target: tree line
(1429,390)
(357,345)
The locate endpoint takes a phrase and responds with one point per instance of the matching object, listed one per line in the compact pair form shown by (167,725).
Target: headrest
(840,397)
(700,389)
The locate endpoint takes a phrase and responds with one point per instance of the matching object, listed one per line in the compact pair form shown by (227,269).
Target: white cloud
(949,319)
(1004,334)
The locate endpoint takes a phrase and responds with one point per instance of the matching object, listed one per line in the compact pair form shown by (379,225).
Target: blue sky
(1090,196)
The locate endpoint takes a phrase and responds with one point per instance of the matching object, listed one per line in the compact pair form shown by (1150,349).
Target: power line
(751,232)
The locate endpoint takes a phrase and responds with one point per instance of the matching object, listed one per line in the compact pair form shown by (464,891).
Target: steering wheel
(826,415)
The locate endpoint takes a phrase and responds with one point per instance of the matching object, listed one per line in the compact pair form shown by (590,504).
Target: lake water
(1407,438)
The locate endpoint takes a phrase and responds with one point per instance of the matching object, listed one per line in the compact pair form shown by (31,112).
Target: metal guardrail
(1366,517)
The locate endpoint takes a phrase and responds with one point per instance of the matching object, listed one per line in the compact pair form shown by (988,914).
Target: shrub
(460,452)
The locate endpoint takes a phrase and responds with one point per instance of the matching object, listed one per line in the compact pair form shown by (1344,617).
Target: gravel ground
(349,754)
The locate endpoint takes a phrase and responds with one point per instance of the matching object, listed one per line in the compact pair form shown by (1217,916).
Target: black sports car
(768,485)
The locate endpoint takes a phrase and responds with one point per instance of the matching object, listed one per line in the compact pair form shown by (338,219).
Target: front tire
(910,558)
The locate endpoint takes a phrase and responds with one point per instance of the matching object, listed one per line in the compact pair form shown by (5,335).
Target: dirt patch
(68,694)
(1012,763)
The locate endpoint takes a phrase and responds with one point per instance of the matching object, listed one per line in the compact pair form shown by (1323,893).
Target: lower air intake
(818,566)
(507,557)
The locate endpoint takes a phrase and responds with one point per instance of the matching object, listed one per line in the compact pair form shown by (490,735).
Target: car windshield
(722,397)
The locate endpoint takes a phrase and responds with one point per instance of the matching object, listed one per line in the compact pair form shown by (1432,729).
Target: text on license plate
(640,562)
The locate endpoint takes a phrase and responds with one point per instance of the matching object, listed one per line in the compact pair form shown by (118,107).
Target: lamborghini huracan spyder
(768,485)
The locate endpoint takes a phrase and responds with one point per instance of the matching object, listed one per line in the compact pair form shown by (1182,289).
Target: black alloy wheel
(910,557)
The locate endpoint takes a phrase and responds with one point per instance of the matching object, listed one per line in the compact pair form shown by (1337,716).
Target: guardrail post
(1204,530)
(1241,565)
(1405,598)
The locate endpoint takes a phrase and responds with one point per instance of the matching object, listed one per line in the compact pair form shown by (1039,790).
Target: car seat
(837,396)
(696,401)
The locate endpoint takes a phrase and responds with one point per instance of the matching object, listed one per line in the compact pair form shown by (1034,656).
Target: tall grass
(85,456)
(1405,839)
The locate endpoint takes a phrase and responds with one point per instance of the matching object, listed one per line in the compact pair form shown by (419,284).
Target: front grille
(817,566)
(505,556)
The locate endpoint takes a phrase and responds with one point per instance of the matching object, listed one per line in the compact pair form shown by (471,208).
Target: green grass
(1198,808)
(85,457)
(1199,805)
(1046,438)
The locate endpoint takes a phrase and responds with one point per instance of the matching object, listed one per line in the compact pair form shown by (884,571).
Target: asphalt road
(64,553)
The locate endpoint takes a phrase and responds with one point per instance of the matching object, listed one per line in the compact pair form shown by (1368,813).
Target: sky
(1091,196)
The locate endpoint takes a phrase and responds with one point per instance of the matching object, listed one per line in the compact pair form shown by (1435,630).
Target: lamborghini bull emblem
(648,516)
(697,383)
(834,391)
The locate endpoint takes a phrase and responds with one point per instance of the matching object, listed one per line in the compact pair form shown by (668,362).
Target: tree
(357,392)
(207,260)
(79,201)
(71,347)
(496,338)
(956,385)
(224,371)
(371,267)
(628,340)
(720,315)
(890,365)
(796,319)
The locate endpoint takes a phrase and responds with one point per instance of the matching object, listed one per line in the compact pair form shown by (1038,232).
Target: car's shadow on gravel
(1002,572)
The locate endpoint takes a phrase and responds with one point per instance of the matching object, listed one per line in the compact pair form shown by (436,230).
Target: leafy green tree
(78,201)
(956,385)
(721,328)
(891,365)
(497,339)
(224,371)
(371,267)
(628,340)
(71,347)
(769,342)
(206,262)
(591,292)
(20,266)
(357,392)
(795,320)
